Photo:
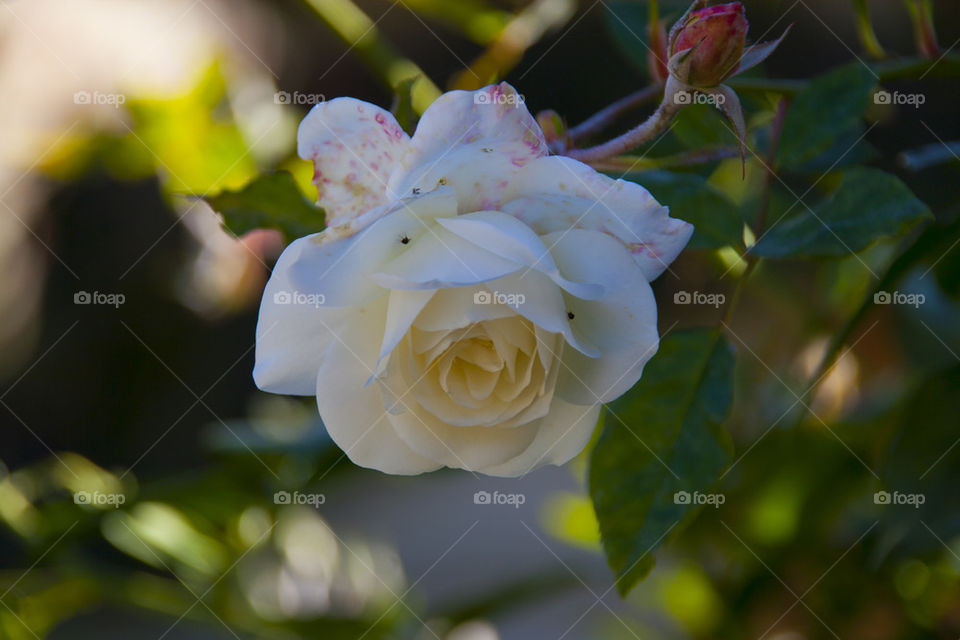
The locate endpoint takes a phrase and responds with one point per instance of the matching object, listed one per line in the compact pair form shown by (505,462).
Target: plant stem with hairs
(652,127)
(606,116)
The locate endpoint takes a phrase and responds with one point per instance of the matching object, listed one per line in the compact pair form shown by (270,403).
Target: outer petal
(561,434)
(291,336)
(558,193)
(508,237)
(339,267)
(623,324)
(440,259)
(474,140)
(354,147)
(354,413)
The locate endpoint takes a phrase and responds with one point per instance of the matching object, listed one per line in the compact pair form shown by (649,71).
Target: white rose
(473,300)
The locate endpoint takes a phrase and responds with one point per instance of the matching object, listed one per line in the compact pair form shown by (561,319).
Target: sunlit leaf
(663,437)
(193,138)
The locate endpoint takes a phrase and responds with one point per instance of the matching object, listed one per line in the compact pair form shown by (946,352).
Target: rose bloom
(473,300)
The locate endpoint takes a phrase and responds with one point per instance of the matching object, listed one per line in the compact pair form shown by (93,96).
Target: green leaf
(627,25)
(702,125)
(663,437)
(869,204)
(923,460)
(270,201)
(716,220)
(831,105)
(403,109)
(848,148)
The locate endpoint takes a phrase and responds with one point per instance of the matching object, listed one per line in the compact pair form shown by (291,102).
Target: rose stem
(605,117)
(632,139)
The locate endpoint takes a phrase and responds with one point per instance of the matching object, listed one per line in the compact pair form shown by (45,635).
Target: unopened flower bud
(716,36)
(554,129)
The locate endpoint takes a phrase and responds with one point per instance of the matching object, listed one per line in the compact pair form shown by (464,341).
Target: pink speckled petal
(558,193)
(354,147)
(476,141)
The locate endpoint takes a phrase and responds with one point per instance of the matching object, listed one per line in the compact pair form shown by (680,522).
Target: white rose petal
(558,193)
(476,141)
(354,147)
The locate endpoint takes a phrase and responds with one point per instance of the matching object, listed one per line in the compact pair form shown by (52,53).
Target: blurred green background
(115,112)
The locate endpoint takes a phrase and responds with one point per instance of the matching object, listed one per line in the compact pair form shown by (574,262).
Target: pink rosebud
(716,35)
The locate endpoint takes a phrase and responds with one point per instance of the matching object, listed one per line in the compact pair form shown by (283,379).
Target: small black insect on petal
(416,191)
(570,315)
(404,239)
